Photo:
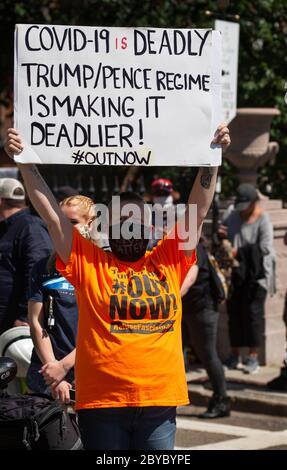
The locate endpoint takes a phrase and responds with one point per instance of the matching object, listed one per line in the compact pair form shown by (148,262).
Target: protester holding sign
(129,365)
(122,96)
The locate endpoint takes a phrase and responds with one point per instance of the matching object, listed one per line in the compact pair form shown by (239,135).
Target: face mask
(128,249)
(84,231)
(164,201)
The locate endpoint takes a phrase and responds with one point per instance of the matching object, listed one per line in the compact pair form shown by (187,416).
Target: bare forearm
(184,289)
(203,191)
(68,361)
(39,193)
(59,227)
(189,280)
(42,344)
(42,198)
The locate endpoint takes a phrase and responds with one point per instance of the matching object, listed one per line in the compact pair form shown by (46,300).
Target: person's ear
(89,223)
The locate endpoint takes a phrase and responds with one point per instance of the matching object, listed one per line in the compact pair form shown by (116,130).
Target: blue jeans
(131,428)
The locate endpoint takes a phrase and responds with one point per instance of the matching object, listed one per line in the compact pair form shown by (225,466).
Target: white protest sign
(117,96)
(230,47)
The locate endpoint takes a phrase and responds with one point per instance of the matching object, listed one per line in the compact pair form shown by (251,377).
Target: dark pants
(130,428)
(200,331)
(246,316)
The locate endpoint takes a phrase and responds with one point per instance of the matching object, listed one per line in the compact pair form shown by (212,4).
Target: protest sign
(117,96)
(230,49)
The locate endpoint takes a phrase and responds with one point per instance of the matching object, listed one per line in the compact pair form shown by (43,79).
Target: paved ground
(248,393)
(263,376)
(258,420)
(240,431)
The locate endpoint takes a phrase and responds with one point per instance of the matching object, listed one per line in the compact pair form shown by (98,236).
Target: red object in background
(161,187)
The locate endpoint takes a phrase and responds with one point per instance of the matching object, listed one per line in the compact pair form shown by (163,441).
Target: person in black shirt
(200,319)
(53,298)
(24,240)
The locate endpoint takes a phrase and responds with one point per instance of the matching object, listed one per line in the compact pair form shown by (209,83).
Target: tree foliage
(262,57)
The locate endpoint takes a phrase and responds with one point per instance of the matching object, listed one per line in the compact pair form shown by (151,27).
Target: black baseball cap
(246,194)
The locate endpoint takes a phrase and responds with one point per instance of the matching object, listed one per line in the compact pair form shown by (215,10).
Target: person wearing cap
(129,370)
(162,192)
(24,240)
(162,200)
(164,212)
(249,229)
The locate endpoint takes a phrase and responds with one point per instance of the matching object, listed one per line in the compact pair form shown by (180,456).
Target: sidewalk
(248,393)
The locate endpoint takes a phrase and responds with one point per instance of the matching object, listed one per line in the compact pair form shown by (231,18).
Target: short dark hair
(130,196)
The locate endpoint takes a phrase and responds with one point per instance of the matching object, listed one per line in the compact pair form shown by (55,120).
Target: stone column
(250,148)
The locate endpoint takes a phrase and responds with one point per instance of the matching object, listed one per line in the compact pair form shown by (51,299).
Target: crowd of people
(91,307)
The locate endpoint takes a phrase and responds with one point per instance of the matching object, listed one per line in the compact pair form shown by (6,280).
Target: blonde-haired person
(80,210)
(82,207)
(53,313)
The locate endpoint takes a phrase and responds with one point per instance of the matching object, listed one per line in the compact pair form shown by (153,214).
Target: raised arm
(43,200)
(204,186)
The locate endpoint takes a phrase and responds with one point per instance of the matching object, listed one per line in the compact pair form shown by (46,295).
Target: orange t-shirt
(129,350)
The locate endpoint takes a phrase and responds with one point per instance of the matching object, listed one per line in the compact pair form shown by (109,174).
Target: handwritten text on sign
(116,96)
